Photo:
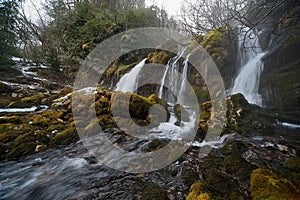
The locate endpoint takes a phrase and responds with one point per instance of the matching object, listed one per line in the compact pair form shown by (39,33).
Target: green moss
(196,192)
(156,144)
(28,101)
(23,145)
(3,149)
(235,148)
(41,121)
(238,167)
(153,191)
(293,163)
(220,186)
(66,137)
(9,132)
(53,114)
(264,184)
(159,57)
(5,127)
(10,119)
(189,176)
(8,137)
(106,121)
(122,69)
(58,127)
(138,106)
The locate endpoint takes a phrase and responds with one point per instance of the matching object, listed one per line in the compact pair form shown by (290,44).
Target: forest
(122,99)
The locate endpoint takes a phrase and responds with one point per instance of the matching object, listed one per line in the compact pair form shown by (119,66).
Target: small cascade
(250,57)
(128,82)
(184,80)
(172,76)
(161,89)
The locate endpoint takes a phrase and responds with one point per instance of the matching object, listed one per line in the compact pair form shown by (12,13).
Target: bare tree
(201,16)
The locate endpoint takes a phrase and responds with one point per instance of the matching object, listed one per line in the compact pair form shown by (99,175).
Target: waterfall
(184,80)
(161,89)
(250,57)
(173,78)
(128,82)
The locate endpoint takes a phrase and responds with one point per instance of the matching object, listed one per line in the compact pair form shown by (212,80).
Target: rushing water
(128,81)
(250,57)
(72,173)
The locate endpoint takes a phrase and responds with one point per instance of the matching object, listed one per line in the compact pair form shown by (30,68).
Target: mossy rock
(57,127)
(22,146)
(180,113)
(10,119)
(241,117)
(160,57)
(28,101)
(66,137)
(39,120)
(189,176)
(197,193)
(3,150)
(293,163)
(221,186)
(66,90)
(156,144)
(8,137)
(238,167)
(139,106)
(234,148)
(153,191)
(265,184)
(53,114)
(9,132)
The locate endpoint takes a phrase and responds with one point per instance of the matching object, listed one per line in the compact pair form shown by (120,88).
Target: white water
(184,80)
(161,89)
(213,144)
(174,79)
(128,81)
(250,56)
(288,125)
(32,109)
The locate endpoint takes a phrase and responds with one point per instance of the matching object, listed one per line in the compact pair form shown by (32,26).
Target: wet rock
(153,191)
(68,136)
(180,113)
(4,88)
(189,176)
(40,147)
(27,102)
(156,144)
(241,117)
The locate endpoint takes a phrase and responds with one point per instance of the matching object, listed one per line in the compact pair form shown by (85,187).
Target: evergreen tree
(8,29)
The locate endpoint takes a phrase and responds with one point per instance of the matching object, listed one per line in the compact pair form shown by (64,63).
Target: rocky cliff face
(280,83)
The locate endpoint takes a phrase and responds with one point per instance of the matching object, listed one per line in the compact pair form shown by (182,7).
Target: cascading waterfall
(250,57)
(128,82)
(172,76)
(184,80)
(177,84)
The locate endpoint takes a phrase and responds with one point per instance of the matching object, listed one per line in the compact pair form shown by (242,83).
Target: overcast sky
(172,6)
